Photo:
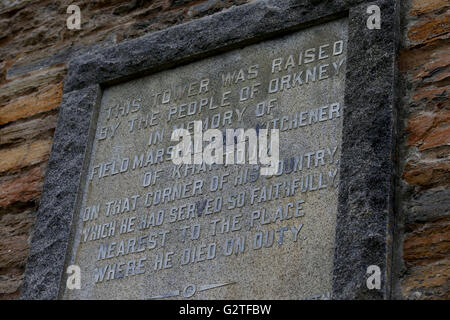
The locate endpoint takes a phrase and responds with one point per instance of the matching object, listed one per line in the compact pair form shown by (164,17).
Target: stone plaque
(150,229)
(139,226)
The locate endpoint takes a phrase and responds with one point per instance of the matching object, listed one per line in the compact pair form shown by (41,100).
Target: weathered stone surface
(14,244)
(6,4)
(51,232)
(260,19)
(428,129)
(304,254)
(44,100)
(14,158)
(432,97)
(427,242)
(435,69)
(428,205)
(19,18)
(40,126)
(22,189)
(420,7)
(14,247)
(423,150)
(10,286)
(180,44)
(48,42)
(426,174)
(430,29)
(365,212)
(429,281)
(32,62)
(29,85)
(438,137)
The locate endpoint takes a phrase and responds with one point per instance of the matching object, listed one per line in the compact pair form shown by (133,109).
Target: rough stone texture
(367,162)
(54,218)
(423,207)
(27,86)
(35,47)
(426,242)
(14,249)
(24,188)
(429,281)
(24,155)
(366,195)
(425,252)
(181,44)
(46,99)
(36,127)
(312,251)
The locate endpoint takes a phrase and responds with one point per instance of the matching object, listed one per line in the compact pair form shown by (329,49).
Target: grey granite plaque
(141,227)
(148,228)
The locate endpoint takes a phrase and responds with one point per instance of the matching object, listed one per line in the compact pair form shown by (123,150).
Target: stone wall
(35,46)
(423,194)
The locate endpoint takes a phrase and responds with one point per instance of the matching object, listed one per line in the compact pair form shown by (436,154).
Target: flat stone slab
(148,228)
(139,226)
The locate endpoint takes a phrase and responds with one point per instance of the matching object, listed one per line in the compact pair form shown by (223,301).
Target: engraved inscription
(151,229)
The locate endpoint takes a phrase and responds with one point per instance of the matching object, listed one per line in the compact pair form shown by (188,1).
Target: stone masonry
(35,47)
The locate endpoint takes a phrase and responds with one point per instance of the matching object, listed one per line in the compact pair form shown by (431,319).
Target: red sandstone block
(436,67)
(26,187)
(45,99)
(428,242)
(10,287)
(15,158)
(429,129)
(14,235)
(28,129)
(428,30)
(429,281)
(432,97)
(436,138)
(427,175)
(420,7)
